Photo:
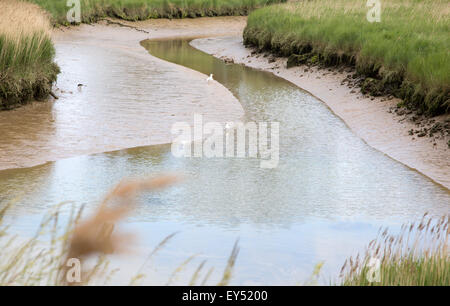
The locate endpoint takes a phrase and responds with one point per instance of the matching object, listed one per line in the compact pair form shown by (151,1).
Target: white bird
(182,145)
(229,129)
(210,78)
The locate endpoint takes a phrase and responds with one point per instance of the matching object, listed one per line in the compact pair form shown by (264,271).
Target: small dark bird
(53,95)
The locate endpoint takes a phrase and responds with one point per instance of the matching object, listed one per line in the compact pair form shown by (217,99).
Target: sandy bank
(371,119)
(129,97)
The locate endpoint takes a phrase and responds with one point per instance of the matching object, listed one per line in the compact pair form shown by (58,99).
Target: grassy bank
(406,54)
(92,10)
(27,70)
(417,256)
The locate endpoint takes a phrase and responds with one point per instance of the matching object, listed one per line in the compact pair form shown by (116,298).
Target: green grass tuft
(418,256)
(27,69)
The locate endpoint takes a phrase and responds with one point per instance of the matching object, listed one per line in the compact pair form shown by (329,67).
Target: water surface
(325,200)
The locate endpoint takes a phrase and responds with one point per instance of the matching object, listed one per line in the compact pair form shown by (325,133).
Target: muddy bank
(128,98)
(375,120)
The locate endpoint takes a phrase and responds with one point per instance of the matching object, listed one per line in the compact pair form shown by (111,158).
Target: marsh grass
(406,54)
(133,10)
(27,69)
(417,256)
(42,259)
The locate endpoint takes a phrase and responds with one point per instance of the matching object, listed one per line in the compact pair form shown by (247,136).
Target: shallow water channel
(324,202)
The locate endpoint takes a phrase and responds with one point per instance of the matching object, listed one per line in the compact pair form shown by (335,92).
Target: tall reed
(417,256)
(27,69)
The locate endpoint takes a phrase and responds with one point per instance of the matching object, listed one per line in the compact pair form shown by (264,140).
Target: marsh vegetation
(406,54)
(27,67)
(146,9)
(417,256)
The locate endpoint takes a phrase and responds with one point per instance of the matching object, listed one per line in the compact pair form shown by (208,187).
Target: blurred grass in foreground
(418,256)
(37,262)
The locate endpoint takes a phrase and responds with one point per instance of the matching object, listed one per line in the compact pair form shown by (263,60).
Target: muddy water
(129,99)
(325,200)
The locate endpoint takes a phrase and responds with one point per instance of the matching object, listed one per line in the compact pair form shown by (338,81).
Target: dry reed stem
(96,234)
